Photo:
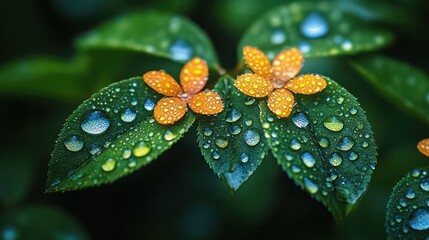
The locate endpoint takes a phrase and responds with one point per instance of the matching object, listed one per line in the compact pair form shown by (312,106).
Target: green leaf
(43,77)
(318,29)
(111,135)
(326,146)
(404,85)
(154,33)
(41,222)
(231,142)
(407,210)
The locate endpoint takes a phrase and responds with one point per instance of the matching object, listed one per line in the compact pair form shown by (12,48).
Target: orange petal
(257,61)
(287,65)
(193,76)
(169,110)
(162,82)
(281,102)
(423,146)
(254,85)
(306,84)
(207,103)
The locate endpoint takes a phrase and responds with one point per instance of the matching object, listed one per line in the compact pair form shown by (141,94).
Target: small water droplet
(126,154)
(310,186)
(295,144)
(340,100)
(335,159)
(304,47)
(308,159)
(180,51)
(295,169)
(95,122)
(288,156)
(207,132)
(347,45)
(134,102)
(364,144)
(73,144)
(420,219)
(333,123)
(314,26)
(216,155)
(169,135)
(235,130)
(244,157)
(233,116)
(424,184)
(402,202)
(324,142)
(415,173)
(149,105)
(410,194)
(248,100)
(128,115)
(132,163)
(141,149)
(222,143)
(251,137)
(109,165)
(353,156)
(248,122)
(345,144)
(353,111)
(300,120)
(278,37)
(94,150)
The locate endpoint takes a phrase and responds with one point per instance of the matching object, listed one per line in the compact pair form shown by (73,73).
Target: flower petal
(306,84)
(423,146)
(162,82)
(281,102)
(287,65)
(254,85)
(257,61)
(193,76)
(207,103)
(169,110)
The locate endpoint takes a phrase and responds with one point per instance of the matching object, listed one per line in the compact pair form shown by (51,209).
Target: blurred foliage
(179,190)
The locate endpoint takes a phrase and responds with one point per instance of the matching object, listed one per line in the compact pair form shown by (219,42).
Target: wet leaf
(232,142)
(326,146)
(154,33)
(111,135)
(43,77)
(404,85)
(41,222)
(318,29)
(407,210)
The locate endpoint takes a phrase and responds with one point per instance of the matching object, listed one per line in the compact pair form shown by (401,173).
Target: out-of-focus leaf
(326,146)
(154,33)
(111,135)
(41,222)
(231,142)
(318,29)
(407,210)
(404,85)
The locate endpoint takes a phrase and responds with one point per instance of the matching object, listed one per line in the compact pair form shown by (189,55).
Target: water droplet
(109,165)
(415,173)
(295,145)
(333,123)
(314,26)
(235,130)
(134,102)
(126,154)
(248,100)
(251,137)
(95,123)
(353,111)
(288,156)
(304,47)
(169,135)
(353,156)
(402,202)
(207,132)
(420,219)
(149,105)
(222,143)
(244,157)
(300,120)
(424,184)
(278,37)
(73,144)
(233,116)
(128,115)
(248,122)
(181,51)
(335,159)
(410,194)
(295,169)
(347,45)
(215,155)
(310,186)
(132,163)
(141,149)
(308,159)
(324,142)
(345,144)
(94,150)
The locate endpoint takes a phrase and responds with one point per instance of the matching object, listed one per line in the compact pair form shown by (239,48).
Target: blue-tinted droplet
(420,219)
(180,51)
(73,144)
(149,105)
(314,26)
(424,184)
(96,122)
(251,137)
(308,159)
(128,115)
(300,120)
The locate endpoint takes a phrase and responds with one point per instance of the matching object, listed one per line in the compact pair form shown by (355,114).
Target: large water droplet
(333,123)
(109,165)
(345,144)
(314,26)
(149,105)
(233,116)
(141,149)
(251,137)
(169,135)
(424,184)
(128,115)
(310,186)
(294,144)
(222,143)
(180,51)
(420,219)
(300,120)
(73,144)
(335,159)
(244,157)
(96,122)
(308,159)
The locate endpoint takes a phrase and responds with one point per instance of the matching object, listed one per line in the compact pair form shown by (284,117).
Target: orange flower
(193,77)
(423,146)
(277,81)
